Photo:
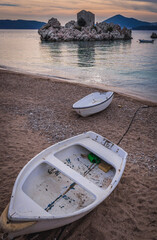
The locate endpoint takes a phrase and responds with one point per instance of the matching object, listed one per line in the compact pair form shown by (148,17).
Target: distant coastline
(20,24)
(130,23)
(151,28)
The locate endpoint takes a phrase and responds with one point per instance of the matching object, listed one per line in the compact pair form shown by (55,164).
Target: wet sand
(36,112)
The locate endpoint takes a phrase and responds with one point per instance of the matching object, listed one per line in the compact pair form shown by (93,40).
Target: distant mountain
(131,23)
(20,24)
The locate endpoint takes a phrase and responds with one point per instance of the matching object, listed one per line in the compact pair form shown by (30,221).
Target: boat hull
(146,41)
(62,184)
(14,229)
(93,105)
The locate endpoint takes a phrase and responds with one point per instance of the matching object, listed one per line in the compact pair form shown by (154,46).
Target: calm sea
(128,66)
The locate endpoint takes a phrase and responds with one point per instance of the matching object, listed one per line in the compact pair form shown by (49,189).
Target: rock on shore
(154,35)
(72,31)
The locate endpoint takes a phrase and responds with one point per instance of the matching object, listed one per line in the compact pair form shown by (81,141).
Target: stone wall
(88,17)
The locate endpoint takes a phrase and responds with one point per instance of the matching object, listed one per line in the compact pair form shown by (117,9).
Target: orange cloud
(67,9)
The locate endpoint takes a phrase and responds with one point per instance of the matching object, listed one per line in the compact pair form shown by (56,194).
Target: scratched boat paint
(60,185)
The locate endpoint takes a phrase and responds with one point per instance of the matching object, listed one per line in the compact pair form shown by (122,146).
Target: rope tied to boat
(145,106)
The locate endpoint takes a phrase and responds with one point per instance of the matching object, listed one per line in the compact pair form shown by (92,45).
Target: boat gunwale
(91,106)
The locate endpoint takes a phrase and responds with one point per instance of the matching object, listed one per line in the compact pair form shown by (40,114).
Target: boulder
(102,26)
(54,23)
(154,35)
(70,24)
(127,33)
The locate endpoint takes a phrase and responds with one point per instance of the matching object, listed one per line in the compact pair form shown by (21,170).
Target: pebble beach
(36,112)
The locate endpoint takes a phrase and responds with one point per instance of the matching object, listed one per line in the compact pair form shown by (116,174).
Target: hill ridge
(131,23)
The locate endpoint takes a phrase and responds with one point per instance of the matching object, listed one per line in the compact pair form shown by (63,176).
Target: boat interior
(68,181)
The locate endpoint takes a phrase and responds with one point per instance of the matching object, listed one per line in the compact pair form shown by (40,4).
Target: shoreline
(94,85)
(36,112)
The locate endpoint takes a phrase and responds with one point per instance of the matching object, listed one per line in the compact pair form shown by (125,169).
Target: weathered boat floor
(46,183)
(77,159)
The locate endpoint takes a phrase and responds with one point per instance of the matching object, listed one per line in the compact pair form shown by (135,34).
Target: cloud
(64,8)
(68,8)
(137,5)
(148,1)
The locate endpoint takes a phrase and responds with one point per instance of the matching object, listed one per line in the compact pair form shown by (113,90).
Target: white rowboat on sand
(93,103)
(55,187)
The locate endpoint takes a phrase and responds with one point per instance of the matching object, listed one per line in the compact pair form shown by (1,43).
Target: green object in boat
(93,158)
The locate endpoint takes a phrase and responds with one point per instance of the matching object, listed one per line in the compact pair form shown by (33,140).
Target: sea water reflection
(83,54)
(128,65)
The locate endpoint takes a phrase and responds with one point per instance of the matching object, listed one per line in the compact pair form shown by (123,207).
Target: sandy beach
(37,112)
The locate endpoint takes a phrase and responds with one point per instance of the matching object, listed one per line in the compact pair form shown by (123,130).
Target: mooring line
(145,106)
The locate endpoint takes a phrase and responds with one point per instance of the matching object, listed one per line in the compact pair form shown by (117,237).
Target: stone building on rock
(86,18)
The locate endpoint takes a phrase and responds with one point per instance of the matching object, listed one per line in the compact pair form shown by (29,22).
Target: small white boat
(93,103)
(145,41)
(63,183)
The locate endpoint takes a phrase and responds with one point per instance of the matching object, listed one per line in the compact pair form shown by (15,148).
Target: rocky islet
(81,31)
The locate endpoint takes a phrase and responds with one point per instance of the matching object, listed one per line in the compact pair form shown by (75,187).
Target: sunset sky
(66,10)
